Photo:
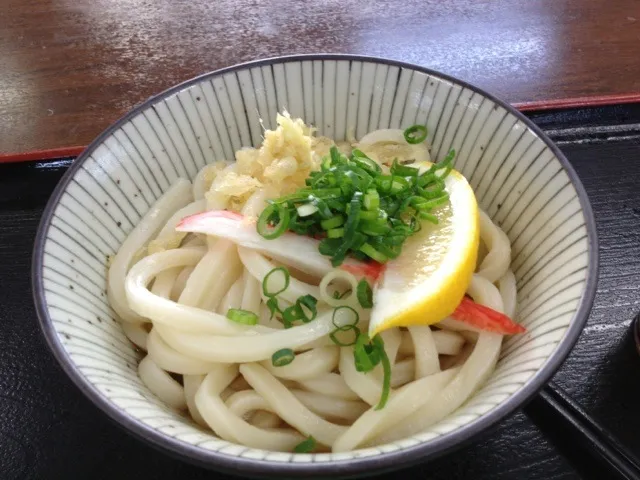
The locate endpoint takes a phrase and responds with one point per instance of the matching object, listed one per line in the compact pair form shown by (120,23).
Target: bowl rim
(346,467)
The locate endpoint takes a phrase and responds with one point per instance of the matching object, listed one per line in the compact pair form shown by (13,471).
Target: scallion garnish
(333,222)
(349,326)
(361,210)
(307,306)
(415,134)
(242,316)
(283,357)
(365,355)
(369,353)
(272,305)
(386,369)
(304,310)
(273,221)
(267,289)
(305,446)
(345,328)
(365,294)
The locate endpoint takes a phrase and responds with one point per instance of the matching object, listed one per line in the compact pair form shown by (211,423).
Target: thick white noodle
(170,360)
(403,372)
(262,419)
(288,407)
(446,342)
(508,291)
(180,283)
(191,385)
(307,365)
(473,373)
(176,197)
(168,232)
(137,333)
(259,267)
(401,404)
(366,386)
(331,408)
(346,282)
(233,297)
(231,427)
(425,351)
(161,384)
(167,312)
(206,285)
(330,384)
(164,282)
(247,348)
(245,402)
(498,258)
(251,293)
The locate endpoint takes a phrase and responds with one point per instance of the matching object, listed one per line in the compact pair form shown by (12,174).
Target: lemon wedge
(427,281)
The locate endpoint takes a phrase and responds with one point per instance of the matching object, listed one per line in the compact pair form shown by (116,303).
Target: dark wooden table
(69,68)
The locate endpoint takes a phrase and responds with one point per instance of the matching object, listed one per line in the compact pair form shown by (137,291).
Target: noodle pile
(172,290)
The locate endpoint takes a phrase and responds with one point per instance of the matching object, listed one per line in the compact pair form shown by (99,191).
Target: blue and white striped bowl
(520,178)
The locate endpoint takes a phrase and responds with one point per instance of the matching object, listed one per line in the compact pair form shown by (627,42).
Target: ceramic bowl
(521,180)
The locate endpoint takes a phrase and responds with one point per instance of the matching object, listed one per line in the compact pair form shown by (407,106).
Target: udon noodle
(171,292)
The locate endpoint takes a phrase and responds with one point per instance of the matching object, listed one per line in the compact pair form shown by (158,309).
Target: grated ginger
(280,165)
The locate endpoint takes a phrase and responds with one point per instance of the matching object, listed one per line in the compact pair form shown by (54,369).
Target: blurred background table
(69,68)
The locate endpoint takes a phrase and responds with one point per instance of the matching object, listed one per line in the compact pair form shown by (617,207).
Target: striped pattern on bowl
(520,179)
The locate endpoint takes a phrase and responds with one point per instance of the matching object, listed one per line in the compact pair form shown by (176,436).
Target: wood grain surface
(50,430)
(69,68)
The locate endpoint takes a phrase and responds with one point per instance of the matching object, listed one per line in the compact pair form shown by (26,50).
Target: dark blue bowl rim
(348,467)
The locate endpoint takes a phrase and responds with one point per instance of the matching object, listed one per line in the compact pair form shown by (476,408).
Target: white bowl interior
(517,178)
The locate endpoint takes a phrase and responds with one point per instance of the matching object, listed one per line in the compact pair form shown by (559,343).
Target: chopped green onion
(349,229)
(349,326)
(364,294)
(386,368)
(265,282)
(384,183)
(338,296)
(335,155)
(272,305)
(403,171)
(364,162)
(306,210)
(329,246)
(267,216)
(242,316)
(308,302)
(375,229)
(399,184)
(335,233)
(282,357)
(345,328)
(429,217)
(388,246)
(333,222)
(305,446)
(360,211)
(371,200)
(304,309)
(366,356)
(371,215)
(290,315)
(355,319)
(368,249)
(415,134)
